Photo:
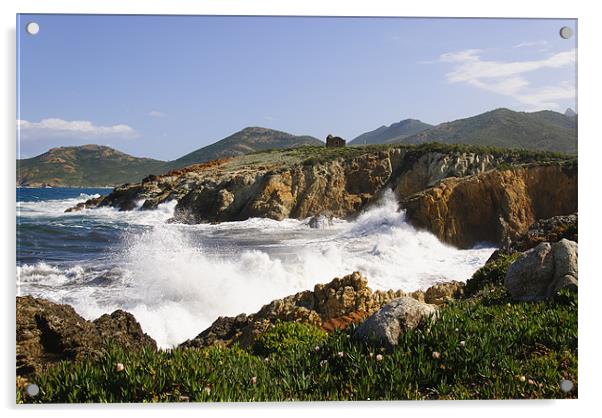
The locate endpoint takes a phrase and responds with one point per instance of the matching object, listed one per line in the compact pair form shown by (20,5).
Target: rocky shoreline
(48,332)
(464,195)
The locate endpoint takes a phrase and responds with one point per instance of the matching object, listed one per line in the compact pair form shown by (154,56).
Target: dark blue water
(57,193)
(46,233)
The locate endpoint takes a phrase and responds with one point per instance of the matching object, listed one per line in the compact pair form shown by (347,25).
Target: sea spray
(177,279)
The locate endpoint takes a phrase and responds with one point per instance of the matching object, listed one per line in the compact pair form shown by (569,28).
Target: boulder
(565,266)
(396,317)
(48,332)
(542,271)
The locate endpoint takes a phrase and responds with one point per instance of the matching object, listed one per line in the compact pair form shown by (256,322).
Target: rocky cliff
(286,184)
(496,205)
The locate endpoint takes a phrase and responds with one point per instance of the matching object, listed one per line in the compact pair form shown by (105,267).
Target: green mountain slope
(545,130)
(86,165)
(243,142)
(391,133)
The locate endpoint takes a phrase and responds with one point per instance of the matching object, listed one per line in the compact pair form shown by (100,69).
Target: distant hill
(391,133)
(243,142)
(96,165)
(86,165)
(544,130)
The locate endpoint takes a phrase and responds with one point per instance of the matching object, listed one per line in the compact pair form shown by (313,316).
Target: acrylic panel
(237,208)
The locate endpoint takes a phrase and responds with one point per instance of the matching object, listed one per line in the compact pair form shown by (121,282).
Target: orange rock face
(495,205)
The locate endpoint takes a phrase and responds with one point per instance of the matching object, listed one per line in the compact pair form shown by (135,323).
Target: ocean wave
(177,279)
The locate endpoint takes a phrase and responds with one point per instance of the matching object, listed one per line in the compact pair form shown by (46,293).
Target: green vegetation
(480,347)
(87,165)
(287,337)
(490,275)
(547,130)
(310,155)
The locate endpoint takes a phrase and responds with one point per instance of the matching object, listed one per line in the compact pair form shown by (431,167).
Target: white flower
(436,354)
(323,362)
(254,380)
(462,343)
(317,348)
(341,354)
(119,367)
(379,357)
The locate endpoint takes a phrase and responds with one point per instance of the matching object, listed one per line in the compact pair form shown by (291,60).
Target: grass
(489,349)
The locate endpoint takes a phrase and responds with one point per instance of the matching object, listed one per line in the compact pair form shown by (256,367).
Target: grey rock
(397,316)
(565,265)
(542,271)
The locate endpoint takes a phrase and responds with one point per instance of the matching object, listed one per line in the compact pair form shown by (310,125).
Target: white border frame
(589,69)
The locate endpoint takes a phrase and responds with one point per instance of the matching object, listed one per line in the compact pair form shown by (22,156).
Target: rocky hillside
(341,182)
(243,142)
(86,165)
(545,130)
(392,133)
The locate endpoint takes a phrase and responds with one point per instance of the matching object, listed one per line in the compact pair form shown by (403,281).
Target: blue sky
(162,86)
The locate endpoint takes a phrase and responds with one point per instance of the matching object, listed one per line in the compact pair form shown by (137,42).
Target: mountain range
(95,165)
(391,133)
(544,131)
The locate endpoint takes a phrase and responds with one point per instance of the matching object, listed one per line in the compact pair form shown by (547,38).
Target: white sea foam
(55,209)
(177,279)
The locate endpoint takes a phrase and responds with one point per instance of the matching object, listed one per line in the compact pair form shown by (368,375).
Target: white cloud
(507,78)
(81,129)
(156,114)
(529,44)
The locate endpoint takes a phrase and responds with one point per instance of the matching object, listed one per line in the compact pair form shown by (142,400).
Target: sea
(177,279)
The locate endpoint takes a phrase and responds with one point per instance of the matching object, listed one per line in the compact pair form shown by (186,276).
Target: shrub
(311,161)
(490,275)
(288,336)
